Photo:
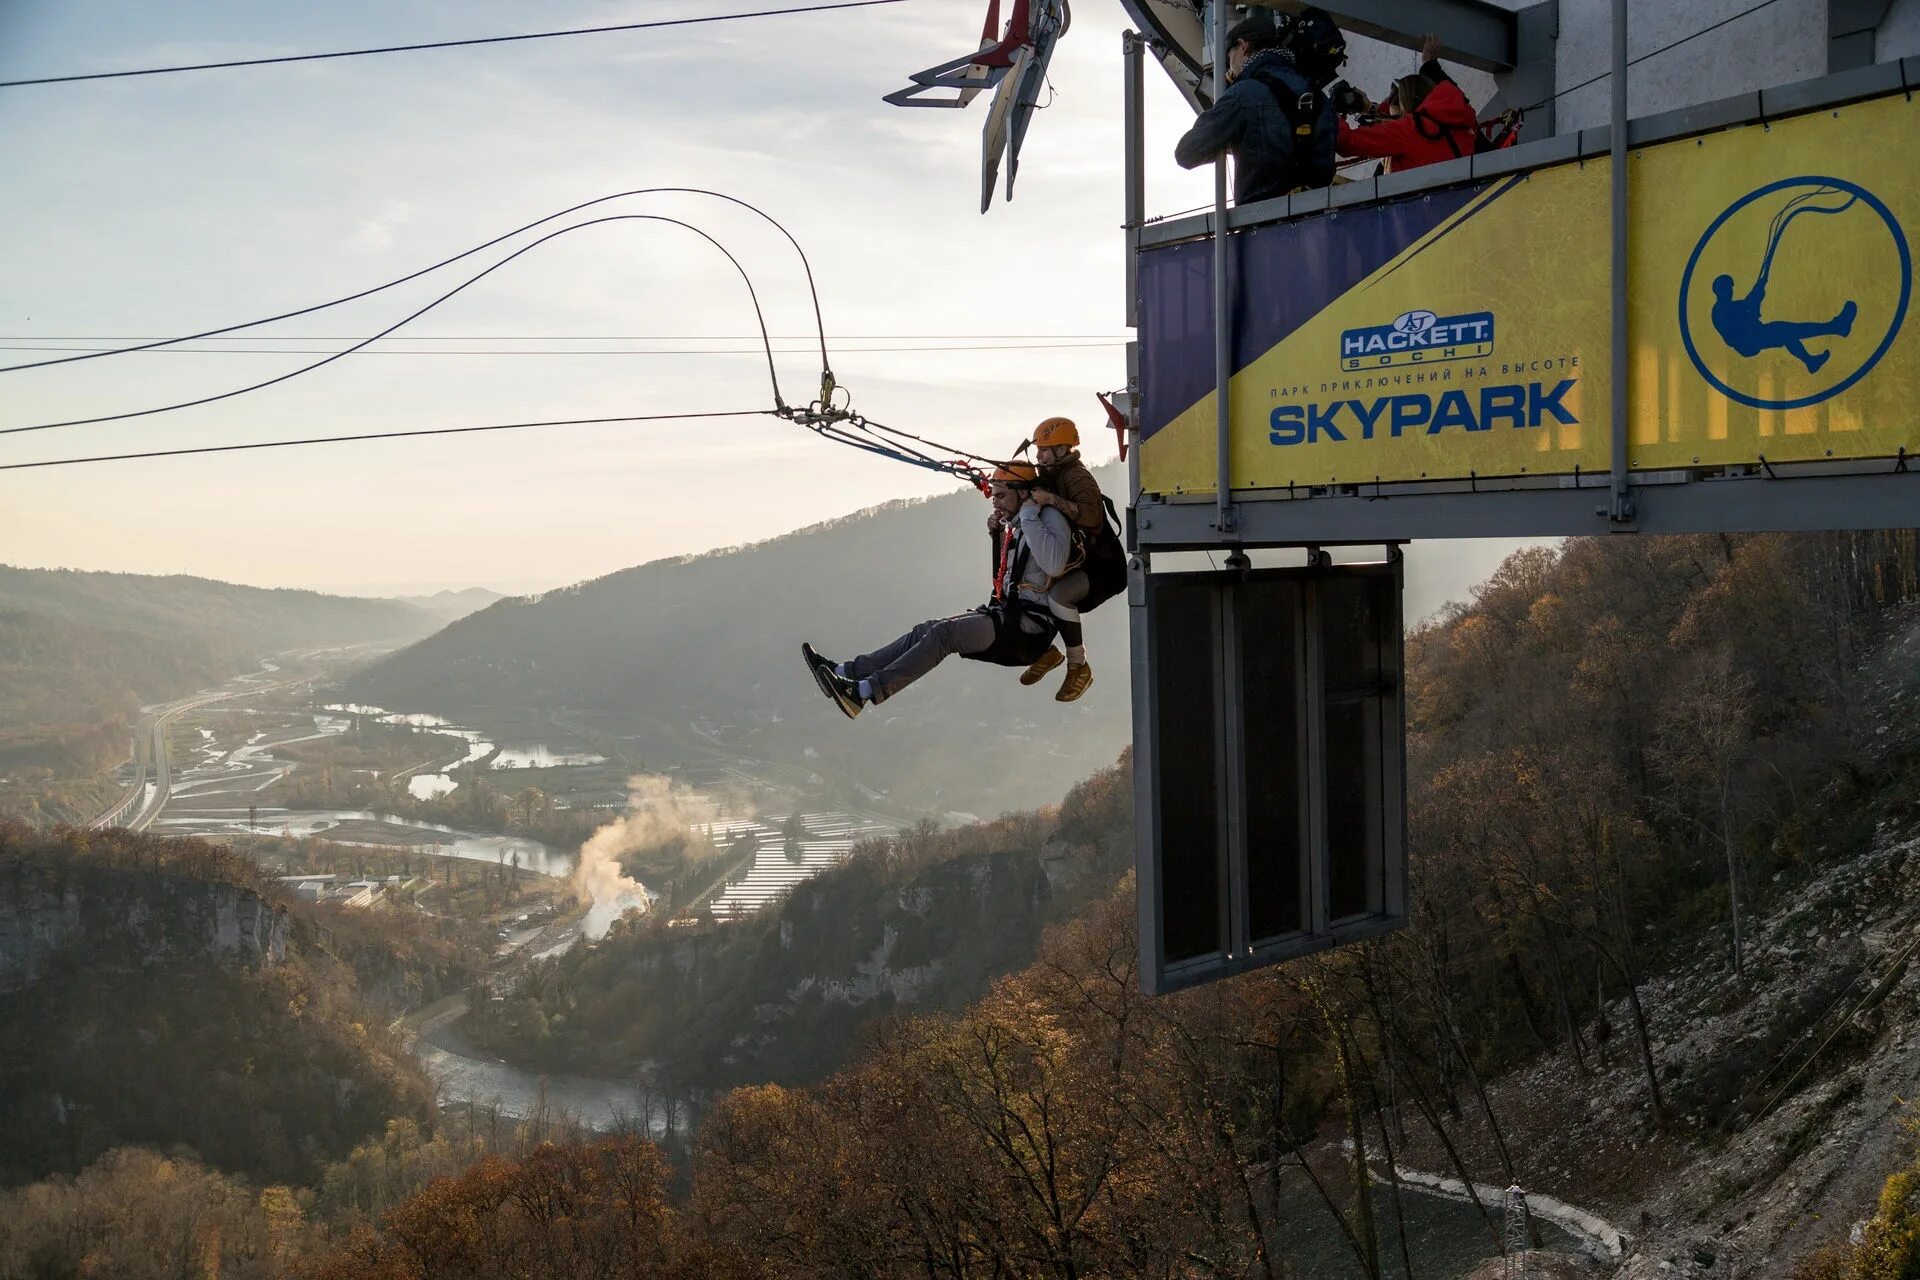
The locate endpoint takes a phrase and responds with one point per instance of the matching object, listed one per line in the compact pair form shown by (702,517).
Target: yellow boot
(1079,680)
(1041,665)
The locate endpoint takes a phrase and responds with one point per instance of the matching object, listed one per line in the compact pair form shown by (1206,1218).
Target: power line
(818,323)
(308,368)
(588,337)
(653,351)
(386,435)
(444,44)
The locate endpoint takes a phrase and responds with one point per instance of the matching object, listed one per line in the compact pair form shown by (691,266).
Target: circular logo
(1795,292)
(1414,322)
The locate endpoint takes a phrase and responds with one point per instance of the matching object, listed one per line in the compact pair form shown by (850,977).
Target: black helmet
(1316,44)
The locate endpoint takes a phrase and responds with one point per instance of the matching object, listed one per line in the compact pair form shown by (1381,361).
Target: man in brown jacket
(1068,487)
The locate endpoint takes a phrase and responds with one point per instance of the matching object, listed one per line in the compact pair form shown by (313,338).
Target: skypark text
(1516,405)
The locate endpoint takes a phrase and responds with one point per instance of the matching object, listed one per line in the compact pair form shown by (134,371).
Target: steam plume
(656,815)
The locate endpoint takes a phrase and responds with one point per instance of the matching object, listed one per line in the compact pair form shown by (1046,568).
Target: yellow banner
(1771,277)
(1770,282)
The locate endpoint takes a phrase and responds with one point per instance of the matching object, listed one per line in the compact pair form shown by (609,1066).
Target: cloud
(375,234)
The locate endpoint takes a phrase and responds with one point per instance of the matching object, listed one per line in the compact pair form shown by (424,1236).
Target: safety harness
(1014,644)
(1488,135)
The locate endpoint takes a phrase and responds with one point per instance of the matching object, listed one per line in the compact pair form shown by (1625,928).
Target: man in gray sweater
(1012,629)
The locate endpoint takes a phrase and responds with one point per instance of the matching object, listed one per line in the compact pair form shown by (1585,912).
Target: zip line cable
(386,435)
(446,44)
(828,432)
(239,391)
(819,325)
(825,418)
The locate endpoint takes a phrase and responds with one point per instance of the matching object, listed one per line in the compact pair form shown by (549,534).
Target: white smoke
(657,814)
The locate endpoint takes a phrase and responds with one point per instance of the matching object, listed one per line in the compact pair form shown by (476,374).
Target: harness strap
(1300,110)
(1441,132)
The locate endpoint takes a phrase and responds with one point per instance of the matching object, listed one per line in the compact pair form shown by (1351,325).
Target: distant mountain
(81,652)
(716,639)
(450,605)
(643,653)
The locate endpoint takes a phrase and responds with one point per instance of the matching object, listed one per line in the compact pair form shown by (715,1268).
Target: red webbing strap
(1000,574)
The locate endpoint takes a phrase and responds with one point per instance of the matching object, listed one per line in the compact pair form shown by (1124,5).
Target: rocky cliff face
(111,917)
(782,996)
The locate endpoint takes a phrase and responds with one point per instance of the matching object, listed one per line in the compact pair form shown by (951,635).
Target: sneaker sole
(820,668)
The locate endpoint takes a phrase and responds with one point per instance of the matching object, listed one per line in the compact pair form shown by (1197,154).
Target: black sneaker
(844,693)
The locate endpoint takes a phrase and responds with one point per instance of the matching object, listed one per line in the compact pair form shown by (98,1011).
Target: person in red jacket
(1426,119)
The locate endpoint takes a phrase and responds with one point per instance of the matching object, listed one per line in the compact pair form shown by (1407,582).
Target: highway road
(137,809)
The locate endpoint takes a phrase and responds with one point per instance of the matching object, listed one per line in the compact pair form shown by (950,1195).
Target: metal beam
(1886,499)
(1222,300)
(1621,510)
(1851,29)
(1133,50)
(1474,33)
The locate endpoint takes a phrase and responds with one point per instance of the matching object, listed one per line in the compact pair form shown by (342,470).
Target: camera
(1349,101)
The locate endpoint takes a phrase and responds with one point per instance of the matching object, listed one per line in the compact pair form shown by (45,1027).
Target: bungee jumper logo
(1795,292)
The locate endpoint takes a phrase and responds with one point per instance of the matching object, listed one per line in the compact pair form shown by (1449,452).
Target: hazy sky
(150,207)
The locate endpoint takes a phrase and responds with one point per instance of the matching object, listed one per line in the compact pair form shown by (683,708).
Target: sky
(150,207)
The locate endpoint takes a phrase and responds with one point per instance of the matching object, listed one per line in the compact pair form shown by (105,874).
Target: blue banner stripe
(1295,269)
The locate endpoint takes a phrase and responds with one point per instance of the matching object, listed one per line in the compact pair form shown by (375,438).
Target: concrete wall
(1783,43)
(1899,35)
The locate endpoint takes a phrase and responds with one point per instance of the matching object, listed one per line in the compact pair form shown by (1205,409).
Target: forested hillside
(1637,766)
(81,652)
(160,992)
(1666,807)
(924,920)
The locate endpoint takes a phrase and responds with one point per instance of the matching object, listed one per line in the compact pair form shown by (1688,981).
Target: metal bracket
(1851,29)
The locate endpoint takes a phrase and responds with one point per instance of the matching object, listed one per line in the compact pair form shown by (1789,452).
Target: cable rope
(446,44)
(819,324)
(386,435)
(1784,218)
(828,417)
(239,391)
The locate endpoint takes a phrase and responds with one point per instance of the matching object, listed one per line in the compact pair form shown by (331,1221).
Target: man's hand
(1429,49)
(996,523)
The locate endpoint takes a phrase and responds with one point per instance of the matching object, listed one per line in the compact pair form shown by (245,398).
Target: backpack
(1104,559)
(1310,116)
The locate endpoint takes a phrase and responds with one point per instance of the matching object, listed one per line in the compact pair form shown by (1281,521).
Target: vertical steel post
(1133,49)
(1222,317)
(1620,509)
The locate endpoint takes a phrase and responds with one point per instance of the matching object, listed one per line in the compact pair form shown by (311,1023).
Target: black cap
(1262,30)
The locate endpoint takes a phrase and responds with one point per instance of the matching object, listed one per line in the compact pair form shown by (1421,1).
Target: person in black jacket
(1273,117)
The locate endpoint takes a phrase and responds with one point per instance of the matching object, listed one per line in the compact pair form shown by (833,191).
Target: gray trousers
(894,666)
(1063,602)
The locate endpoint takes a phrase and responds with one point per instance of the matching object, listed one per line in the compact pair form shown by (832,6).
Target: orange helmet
(1056,433)
(1018,474)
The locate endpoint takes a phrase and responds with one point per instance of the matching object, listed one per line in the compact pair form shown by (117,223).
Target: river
(465,1074)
